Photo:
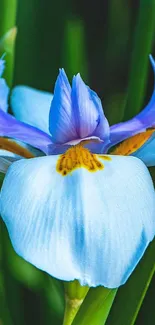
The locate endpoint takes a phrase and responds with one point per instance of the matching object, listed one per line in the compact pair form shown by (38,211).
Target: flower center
(132,144)
(78,157)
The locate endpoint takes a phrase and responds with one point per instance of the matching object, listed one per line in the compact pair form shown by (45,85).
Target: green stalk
(74,296)
(71,309)
(74,53)
(8,31)
(8,10)
(143,40)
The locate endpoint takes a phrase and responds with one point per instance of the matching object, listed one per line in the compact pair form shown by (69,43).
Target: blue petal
(32,106)
(93,227)
(147,152)
(62,123)
(4,89)
(2,66)
(4,92)
(89,117)
(145,119)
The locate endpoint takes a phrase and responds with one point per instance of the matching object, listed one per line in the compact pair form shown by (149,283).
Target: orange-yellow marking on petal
(132,144)
(78,157)
(108,158)
(9,145)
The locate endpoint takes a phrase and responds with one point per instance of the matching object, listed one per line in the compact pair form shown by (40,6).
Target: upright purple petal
(12,128)
(89,117)
(145,119)
(103,130)
(61,119)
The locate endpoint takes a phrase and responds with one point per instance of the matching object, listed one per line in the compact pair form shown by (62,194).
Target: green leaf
(4,308)
(39,43)
(74,52)
(147,311)
(7,15)
(12,295)
(130,296)
(96,307)
(144,35)
(1,179)
(115,107)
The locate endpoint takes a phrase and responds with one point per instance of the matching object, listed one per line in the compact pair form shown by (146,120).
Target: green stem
(71,309)
(8,31)
(74,296)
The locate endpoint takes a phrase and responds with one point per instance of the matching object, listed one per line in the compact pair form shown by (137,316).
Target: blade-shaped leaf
(130,296)
(142,47)
(147,311)
(96,307)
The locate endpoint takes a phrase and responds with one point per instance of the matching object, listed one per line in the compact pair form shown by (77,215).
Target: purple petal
(145,119)
(61,120)
(89,117)
(10,127)
(103,130)
(97,147)
(124,130)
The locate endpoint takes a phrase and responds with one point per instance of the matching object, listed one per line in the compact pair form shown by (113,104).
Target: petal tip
(62,80)
(2,66)
(152,61)
(77,81)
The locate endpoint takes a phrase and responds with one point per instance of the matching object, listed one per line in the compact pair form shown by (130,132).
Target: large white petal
(93,227)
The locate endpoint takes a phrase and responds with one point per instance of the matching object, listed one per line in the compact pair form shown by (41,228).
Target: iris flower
(77,211)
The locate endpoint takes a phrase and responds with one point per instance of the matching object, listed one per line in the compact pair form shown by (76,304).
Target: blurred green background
(108,42)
